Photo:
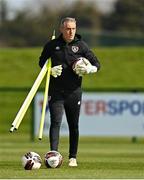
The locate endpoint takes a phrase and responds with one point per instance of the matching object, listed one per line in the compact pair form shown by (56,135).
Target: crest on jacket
(75,49)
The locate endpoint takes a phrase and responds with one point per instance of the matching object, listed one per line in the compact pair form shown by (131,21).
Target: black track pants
(70,102)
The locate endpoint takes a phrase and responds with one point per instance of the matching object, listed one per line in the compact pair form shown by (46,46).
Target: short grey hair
(66,19)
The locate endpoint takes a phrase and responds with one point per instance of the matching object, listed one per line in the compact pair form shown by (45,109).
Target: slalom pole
(28,99)
(18,119)
(45,95)
(45,100)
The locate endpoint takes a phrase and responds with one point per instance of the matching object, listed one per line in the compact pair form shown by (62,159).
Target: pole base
(12,129)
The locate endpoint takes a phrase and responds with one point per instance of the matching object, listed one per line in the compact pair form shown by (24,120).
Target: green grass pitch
(97,158)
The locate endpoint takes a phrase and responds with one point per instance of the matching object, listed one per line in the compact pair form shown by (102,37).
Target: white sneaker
(72,162)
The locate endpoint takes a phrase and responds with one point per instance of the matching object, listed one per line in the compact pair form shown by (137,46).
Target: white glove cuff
(92,69)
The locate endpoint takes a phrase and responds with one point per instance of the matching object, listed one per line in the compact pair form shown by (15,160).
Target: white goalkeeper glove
(85,68)
(80,70)
(56,71)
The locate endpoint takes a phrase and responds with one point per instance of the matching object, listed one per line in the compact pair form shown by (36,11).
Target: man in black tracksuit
(65,82)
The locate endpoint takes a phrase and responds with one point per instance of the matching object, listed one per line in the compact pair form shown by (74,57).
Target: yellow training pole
(28,99)
(45,96)
(45,100)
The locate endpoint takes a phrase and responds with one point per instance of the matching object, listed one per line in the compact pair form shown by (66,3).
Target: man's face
(68,30)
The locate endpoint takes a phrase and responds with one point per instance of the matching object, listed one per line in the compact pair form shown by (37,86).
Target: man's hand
(56,71)
(85,68)
(80,70)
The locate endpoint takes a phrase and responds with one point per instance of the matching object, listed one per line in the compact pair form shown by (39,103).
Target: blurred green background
(101,22)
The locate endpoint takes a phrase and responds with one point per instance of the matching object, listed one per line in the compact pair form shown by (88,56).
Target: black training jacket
(66,54)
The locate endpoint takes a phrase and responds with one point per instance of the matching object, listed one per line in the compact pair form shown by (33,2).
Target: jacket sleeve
(45,54)
(88,54)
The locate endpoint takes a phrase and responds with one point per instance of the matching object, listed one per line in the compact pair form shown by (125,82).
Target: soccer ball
(53,159)
(81,65)
(79,62)
(31,160)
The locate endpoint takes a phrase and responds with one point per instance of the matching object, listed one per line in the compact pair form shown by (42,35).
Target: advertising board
(102,114)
